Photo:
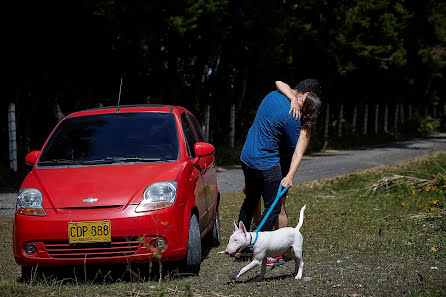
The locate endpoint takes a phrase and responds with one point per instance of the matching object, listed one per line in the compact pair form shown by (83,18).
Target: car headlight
(157,196)
(29,202)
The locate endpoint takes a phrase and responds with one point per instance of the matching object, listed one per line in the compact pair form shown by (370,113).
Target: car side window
(189,135)
(197,128)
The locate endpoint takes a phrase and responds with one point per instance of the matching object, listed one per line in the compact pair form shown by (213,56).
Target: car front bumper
(131,233)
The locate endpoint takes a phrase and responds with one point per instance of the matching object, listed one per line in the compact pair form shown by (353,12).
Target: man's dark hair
(309,85)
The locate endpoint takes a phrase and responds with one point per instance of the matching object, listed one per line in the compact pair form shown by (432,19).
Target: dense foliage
(72,54)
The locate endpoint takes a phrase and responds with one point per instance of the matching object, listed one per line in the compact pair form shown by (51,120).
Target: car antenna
(119,96)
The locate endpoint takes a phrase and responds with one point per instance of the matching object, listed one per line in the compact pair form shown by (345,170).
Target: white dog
(287,241)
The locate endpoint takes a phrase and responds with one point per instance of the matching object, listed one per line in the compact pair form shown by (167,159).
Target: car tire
(192,261)
(215,232)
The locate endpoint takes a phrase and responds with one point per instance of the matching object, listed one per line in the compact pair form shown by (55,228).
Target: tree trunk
(355,115)
(376,118)
(340,119)
(172,68)
(207,116)
(12,138)
(327,119)
(402,113)
(386,117)
(232,125)
(57,112)
(428,88)
(366,118)
(395,120)
(243,86)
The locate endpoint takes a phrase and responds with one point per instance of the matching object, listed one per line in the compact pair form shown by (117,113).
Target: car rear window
(144,135)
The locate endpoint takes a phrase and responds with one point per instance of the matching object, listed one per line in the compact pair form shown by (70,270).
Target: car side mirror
(203,149)
(31,158)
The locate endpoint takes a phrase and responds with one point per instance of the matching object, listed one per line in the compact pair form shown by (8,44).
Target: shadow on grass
(103,274)
(99,274)
(253,279)
(109,273)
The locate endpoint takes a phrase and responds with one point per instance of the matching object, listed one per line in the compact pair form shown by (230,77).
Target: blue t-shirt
(273,129)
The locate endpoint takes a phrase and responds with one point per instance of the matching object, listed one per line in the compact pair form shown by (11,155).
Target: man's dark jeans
(259,183)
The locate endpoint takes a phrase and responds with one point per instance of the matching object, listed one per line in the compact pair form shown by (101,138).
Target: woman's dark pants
(261,183)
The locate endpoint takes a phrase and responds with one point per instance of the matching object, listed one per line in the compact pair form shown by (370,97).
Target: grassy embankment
(380,232)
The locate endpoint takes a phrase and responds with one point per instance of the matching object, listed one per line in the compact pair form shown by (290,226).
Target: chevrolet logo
(90,200)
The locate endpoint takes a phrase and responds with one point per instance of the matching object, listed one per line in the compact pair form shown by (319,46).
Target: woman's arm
(291,94)
(301,147)
(286,90)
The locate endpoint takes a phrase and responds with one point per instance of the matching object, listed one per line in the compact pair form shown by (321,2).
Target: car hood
(111,185)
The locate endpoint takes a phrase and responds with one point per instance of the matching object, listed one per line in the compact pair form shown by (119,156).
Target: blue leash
(280,192)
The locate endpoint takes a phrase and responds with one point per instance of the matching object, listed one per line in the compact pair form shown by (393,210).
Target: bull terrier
(287,241)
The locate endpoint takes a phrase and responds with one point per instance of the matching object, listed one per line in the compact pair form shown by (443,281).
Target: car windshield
(112,138)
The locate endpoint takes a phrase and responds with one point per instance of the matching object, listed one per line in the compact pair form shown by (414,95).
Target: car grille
(116,248)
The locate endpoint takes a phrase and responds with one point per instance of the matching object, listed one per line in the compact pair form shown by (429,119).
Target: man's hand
(287,181)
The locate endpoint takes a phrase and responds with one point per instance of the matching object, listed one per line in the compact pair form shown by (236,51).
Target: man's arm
(301,147)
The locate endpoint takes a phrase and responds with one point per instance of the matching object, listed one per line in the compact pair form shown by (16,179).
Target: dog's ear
(235,227)
(242,227)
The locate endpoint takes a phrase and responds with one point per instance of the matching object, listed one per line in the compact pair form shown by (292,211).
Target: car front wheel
(193,254)
(216,230)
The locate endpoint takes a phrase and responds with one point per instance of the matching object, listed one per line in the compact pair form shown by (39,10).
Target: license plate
(83,232)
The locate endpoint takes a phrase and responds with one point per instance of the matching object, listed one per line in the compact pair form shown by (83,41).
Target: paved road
(316,166)
(7,203)
(336,163)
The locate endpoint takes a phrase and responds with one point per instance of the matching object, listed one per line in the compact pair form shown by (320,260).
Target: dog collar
(252,244)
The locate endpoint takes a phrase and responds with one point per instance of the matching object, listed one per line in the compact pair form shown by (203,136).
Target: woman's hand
(296,105)
(287,181)
(295,108)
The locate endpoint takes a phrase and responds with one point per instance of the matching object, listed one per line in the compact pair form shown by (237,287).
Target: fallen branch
(395,180)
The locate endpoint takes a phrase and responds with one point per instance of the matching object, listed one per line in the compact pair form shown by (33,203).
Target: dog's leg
(261,277)
(299,268)
(296,255)
(248,267)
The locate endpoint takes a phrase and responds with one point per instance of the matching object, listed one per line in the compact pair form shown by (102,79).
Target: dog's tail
(301,218)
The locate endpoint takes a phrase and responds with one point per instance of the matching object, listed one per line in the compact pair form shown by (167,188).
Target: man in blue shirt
(275,129)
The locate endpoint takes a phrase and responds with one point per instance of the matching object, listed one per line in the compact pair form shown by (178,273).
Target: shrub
(428,126)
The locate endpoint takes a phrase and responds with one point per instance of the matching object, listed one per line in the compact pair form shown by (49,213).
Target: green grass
(357,242)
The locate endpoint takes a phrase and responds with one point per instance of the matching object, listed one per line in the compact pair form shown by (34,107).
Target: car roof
(130,108)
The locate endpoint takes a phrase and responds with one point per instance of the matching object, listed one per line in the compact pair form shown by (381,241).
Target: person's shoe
(275,261)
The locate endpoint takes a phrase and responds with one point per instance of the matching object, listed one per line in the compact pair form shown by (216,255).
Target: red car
(119,185)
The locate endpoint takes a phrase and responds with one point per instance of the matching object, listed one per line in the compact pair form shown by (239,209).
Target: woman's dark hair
(310,111)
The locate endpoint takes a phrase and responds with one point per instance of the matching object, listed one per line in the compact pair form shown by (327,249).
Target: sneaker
(275,261)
